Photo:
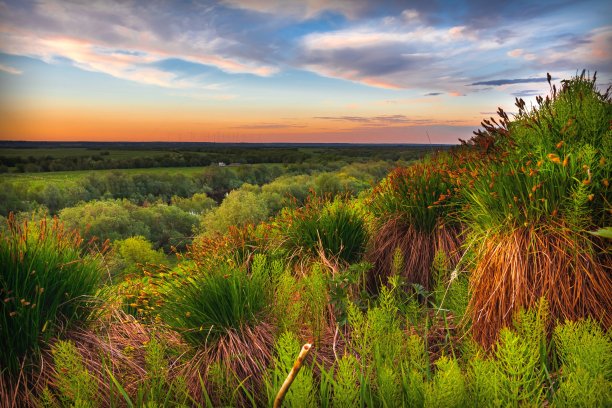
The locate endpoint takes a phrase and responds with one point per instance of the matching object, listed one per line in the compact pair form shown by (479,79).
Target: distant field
(74,175)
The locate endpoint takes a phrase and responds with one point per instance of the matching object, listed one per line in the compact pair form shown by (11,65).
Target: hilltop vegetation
(478,276)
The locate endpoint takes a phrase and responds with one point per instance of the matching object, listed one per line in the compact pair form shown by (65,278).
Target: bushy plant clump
(47,284)
(334,230)
(212,302)
(413,206)
(528,208)
(222,313)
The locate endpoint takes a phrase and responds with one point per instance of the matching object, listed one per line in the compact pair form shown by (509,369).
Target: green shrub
(47,283)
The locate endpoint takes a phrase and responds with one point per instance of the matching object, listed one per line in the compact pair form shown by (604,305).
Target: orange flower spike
(605,182)
(554,213)
(560,144)
(554,158)
(591,197)
(565,161)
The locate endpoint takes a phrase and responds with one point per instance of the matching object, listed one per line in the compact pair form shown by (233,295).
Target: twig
(292,374)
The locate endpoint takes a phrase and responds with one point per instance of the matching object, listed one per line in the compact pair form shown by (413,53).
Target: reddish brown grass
(243,356)
(117,344)
(517,268)
(418,249)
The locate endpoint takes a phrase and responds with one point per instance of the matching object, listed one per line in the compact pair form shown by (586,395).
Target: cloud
(256,126)
(10,70)
(433,94)
(385,120)
(126,39)
(499,82)
(526,93)
(302,9)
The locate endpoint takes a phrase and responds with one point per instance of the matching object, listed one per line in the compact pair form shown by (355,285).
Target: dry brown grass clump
(418,249)
(515,269)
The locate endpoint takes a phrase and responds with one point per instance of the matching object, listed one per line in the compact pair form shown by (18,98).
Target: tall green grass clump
(334,230)
(47,283)
(222,312)
(535,198)
(215,301)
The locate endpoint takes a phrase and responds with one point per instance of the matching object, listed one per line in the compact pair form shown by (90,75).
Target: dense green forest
(473,276)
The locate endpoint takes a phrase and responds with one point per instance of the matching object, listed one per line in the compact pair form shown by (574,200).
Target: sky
(345,71)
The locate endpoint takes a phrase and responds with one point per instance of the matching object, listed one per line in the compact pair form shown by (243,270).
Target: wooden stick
(278,401)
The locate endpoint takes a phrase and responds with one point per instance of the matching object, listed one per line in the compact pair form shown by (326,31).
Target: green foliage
(336,229)
(131,254)
(239,208)
(212,301)
(346,387)
(585,352)
(196,204)
(47,283)
(75,385)
(164,225)
(289,305)
(447,389)
(302,390)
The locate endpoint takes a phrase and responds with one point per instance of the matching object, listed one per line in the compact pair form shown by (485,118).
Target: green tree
(240,207)
(128,254)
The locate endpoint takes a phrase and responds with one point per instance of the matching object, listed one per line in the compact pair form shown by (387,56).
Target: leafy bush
(240,207)
(131,254)
(46,284)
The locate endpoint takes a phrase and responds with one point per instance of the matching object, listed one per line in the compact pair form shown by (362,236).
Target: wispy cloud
(10,70)
(499,82)
(526,93)
(262,126)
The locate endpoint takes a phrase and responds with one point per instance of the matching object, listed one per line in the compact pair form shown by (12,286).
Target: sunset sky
(352,71)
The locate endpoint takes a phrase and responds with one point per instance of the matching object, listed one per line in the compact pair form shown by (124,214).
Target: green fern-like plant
(448,388)
(302,390)
(483,383)
(75,385)
(346,387)
(585,352)
(288,302)
(519,369)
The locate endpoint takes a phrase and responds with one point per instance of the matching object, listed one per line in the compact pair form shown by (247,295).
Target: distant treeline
(34,158)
